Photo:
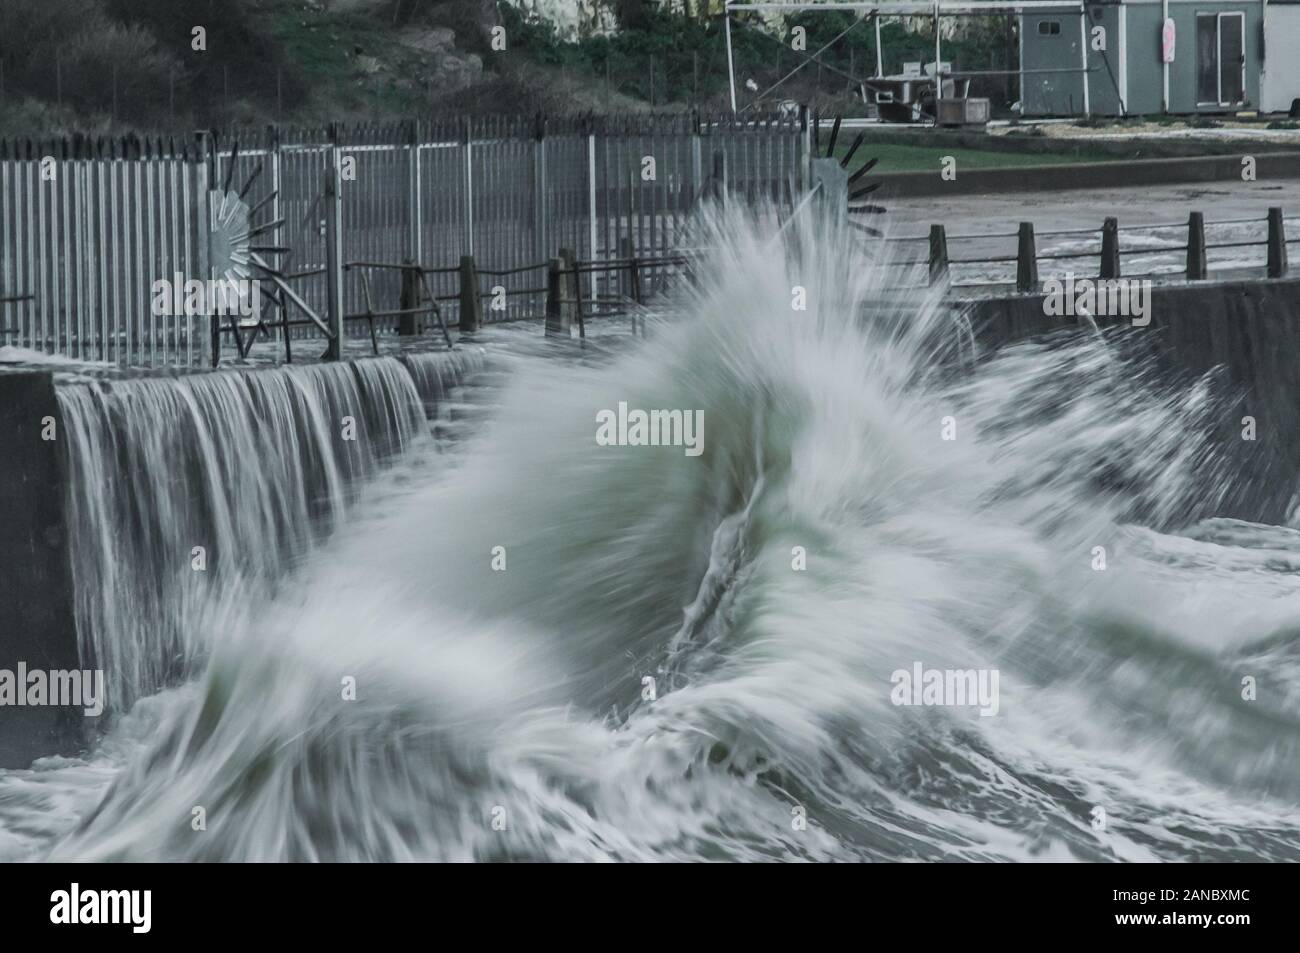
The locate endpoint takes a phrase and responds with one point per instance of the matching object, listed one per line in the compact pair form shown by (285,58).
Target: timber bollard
(568,282)
(1110,265)
(1277,263)
(1196,263)
(471,306)
(938,254)
(1026,259)
(554,296)
(409,324)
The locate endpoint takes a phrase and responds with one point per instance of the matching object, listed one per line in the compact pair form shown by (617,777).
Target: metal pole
(591,193)
(541,227)
(938,74)
(202,231)
(414,223)
(1083,57)
(1164,67)
(334,250)
(731,66)
(880,53)
(469,189)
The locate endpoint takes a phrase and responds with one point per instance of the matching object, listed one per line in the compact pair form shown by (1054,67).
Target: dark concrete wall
(1249,330)
(36,622)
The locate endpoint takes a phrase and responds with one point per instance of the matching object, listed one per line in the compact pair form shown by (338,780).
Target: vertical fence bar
(43,258)
(65,250)
(102,212)
(334,250)
(469,185)
(414,208)
(7,249)
(204,170)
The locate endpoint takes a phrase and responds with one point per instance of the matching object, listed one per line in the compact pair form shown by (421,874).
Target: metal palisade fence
(87,228)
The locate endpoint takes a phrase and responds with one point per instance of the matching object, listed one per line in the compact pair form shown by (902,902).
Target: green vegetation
(108,65)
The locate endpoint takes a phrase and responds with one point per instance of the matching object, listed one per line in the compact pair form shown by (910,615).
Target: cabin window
(1049,27)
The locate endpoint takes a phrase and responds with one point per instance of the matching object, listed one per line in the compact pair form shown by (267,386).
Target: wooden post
(471,306)
(567,282)
(577,301)
(1277,263)
(1110,264)
(370,310)
(1196,263)
(938,254)
(554,295)
(409,324)
(1026,259)
(634,268)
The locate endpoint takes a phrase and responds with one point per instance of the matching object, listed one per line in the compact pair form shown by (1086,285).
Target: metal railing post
(414,211)
(334,250)
(204,165)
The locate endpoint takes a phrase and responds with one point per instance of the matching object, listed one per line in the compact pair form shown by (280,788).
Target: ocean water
(693,657)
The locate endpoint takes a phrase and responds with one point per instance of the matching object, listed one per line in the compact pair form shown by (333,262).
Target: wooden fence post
(1277,258)
(568,279)
(938,254)
(1026,259)
(1196,263)
(634,269)
(409,324)
(1110,264)
(554,296)
(471,305)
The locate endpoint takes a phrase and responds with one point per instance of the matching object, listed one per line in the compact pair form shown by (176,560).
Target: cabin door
(1220,59)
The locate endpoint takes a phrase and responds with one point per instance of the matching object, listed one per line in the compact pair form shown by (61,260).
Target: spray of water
(691,657)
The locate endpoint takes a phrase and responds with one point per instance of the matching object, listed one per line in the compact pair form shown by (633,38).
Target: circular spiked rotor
(229,236)
(857,191)
(237,232)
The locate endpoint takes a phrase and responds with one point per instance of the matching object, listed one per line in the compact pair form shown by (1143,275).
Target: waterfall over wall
(187,495)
